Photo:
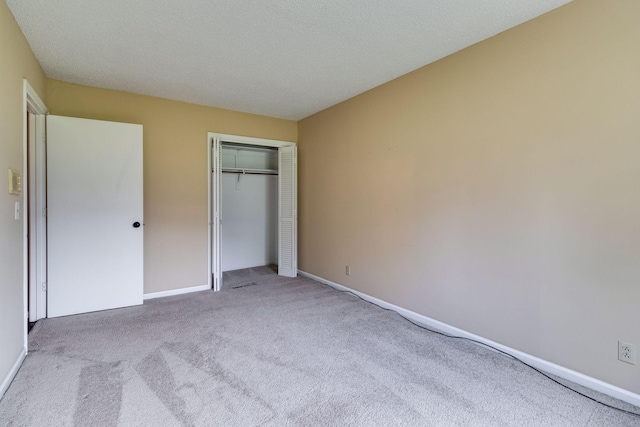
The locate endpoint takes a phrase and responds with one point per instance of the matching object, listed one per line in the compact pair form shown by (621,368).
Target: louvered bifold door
(216,214)
(287,212)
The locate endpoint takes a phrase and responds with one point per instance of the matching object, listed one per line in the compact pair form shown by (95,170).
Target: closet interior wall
(249,194)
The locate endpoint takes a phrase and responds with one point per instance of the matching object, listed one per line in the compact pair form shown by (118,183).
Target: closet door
(287,212)
(216,182)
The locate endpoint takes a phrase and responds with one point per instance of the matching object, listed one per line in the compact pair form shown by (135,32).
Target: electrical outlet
(626,352)
(347,270)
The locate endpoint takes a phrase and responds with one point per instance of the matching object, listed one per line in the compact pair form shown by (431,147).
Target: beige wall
(175,170)
(497,190)
(16,63)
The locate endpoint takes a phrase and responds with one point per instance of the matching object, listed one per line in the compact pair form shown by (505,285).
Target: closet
(253,205)
(249,206)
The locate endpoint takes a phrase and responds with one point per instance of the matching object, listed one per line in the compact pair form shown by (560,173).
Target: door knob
(136,224)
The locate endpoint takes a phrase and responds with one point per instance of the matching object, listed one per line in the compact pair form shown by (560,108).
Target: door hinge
(44,286)
(44,212)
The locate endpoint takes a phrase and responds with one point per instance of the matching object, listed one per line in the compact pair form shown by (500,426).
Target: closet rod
(250,171)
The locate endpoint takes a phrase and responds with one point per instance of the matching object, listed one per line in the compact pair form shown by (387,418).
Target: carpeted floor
(279,352)
(247,277)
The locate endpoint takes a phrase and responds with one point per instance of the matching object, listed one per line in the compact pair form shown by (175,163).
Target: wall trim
(32,103)
(36,202)
(173,292)
(549,367)
(12,373)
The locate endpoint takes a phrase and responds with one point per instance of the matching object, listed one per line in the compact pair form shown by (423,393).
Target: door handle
(136,224)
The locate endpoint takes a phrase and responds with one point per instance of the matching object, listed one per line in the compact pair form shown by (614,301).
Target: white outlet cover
(626,352)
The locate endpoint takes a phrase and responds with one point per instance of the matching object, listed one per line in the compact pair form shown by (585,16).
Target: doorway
(38,265)
(275,162)
(35,202)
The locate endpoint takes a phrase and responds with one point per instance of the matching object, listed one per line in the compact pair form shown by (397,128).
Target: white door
(95,233)
(287,212)
(216,183)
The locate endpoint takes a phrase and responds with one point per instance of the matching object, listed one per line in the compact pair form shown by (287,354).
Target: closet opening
(253,223)
(249,228)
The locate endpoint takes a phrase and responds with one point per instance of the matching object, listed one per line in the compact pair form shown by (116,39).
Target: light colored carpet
(247,276)
(277,353)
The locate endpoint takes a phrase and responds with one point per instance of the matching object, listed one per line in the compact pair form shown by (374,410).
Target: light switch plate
(15,182)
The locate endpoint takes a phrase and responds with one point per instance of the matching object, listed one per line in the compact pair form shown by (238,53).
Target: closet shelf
(251,171)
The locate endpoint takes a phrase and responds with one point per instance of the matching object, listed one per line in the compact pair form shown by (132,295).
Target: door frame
(35,200)
(236,139)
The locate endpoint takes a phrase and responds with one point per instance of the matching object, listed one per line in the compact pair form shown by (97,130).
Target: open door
(95,208)
(287,212)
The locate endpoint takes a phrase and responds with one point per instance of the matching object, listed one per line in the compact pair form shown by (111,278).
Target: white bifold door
(95,215)
(287,217)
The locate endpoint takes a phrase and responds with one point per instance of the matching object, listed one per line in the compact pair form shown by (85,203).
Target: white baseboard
(176,292)
(543,365)
(12,373)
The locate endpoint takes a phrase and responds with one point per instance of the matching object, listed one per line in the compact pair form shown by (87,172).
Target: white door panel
(95,255)
(217,211)
(288,221)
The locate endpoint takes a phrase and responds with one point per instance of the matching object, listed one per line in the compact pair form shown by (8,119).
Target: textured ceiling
(279,58)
